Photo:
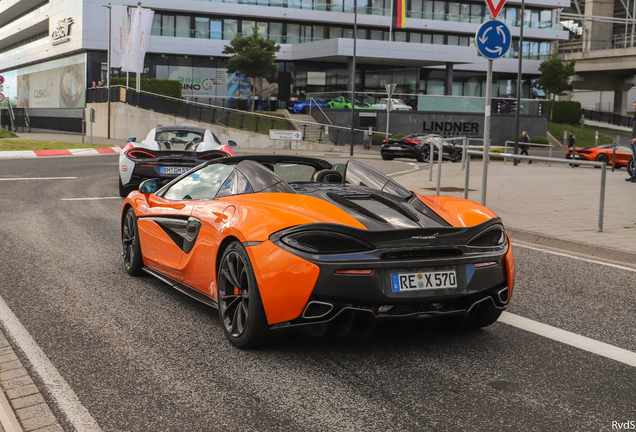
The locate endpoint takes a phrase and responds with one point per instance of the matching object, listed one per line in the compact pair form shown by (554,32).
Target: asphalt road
(143,357)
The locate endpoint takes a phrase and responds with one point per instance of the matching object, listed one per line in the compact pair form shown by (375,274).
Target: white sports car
(396,105)
(166,153)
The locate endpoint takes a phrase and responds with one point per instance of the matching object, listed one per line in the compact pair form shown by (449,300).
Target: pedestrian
(94,85)
(571,139)
(632,143)
(525,139)
(99,84)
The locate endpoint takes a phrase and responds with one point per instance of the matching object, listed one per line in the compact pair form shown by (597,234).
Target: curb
(68,152)
(590,250)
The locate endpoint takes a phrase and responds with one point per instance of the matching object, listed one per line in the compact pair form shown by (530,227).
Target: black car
(417,146)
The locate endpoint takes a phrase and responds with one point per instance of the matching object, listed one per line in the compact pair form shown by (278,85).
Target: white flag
(138,40)
(118,35)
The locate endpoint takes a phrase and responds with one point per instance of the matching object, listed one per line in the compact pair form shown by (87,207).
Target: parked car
(343,102)
(278,242)
(417,146)
(396,105)
(166,153)
(604,153)
(298,107)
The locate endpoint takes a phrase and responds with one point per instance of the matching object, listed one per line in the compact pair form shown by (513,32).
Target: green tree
(555,76)
(253,56)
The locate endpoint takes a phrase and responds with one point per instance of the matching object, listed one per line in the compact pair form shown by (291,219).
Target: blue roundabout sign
(493,39)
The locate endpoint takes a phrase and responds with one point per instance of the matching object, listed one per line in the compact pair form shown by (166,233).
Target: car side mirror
(132,139)
(232,143)
(149,186)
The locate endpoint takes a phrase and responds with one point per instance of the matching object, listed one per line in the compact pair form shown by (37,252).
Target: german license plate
(173,170)
(423,280)
(395,148)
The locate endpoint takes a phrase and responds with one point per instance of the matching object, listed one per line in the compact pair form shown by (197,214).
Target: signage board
(495,7)
(493,39)
(1,80)
(367,114)
(286,135)
(1,97)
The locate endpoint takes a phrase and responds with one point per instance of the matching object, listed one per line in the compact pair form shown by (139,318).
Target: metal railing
(608,117)
(602,165)
(597,43)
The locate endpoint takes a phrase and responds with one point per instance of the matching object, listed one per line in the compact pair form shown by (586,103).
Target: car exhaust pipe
(503,295)
(316,309)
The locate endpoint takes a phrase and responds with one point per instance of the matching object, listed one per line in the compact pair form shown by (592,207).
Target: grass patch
(17,145)
(7,134)
(250,122)
(584,137)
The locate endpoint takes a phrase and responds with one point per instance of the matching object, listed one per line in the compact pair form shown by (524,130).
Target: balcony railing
(597,43)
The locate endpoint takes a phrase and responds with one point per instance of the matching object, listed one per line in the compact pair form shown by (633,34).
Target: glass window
(453,40)
(415,37)
(376,35)
(230,29)
(435,87)
(276,32)
(293,33)
(428,9)
(477,13)
(399,36)
(458,89)
(465,13)
(320,32)
(201,184)
(235,184)
(201,28)
(438,39)
(362,33)
(183,26)
(416,9)
(263,29)
(427,38)
(216,29)
(453,11)
(464,41)
(335,32)
(347,33)
(156,25)
(512,13)
(546,18)
(439,10)
(246,27)
(472,87)
(305,33)
(167,25)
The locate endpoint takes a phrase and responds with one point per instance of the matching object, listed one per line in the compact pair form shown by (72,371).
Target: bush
(164,87)
(566,112)
(539,140)
(377,139)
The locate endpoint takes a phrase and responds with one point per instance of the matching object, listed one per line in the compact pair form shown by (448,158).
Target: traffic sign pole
(484,176)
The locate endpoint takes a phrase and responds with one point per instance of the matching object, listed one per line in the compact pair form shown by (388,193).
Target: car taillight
(411,142)
(139,154)
(325,242)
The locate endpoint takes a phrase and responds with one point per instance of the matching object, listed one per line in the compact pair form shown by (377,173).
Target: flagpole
(391,22)
(108,70)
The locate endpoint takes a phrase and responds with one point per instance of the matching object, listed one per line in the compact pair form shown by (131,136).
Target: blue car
(302,107)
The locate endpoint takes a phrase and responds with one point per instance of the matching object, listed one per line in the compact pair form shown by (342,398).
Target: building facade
(51,51)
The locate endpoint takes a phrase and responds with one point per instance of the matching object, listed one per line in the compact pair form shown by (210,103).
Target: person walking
(571,139)
(525,139)
(632,143)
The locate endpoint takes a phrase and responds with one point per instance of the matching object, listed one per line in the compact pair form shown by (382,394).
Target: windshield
(179,137)
(359,174)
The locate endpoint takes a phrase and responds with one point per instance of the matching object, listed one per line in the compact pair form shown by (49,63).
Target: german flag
(399,13)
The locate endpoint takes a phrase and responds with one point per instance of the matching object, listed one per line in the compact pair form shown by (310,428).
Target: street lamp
(516,150)
(353,67)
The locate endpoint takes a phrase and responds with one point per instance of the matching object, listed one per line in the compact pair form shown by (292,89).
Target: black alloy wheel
(386,156)
(240,306)
(630,166)
(601,158)
(131,250)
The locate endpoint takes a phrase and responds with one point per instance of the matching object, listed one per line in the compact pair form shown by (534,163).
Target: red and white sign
(1,97)
(1,80)
(495,7)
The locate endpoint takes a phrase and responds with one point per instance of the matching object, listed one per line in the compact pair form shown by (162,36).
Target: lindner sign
(60,35)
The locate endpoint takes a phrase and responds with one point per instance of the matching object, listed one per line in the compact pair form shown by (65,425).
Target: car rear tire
(305,110)
(131,249)
(386,157)
(601,158)
(630,166)
(423,155)
(240,306)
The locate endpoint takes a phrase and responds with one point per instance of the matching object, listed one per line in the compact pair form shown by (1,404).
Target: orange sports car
(277,242)
(604,153)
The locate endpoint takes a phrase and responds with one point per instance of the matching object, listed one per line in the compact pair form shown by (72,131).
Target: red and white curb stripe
(70,152)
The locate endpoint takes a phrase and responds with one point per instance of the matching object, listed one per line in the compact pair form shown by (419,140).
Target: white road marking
(57,386)
(404,172)
(38,178)
(575,257)
(569,338)
(89,199)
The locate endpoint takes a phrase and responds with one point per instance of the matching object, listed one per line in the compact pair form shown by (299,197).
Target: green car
(343,102)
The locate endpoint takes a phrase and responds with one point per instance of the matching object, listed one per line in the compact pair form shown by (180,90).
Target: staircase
(21,119)
(307,124)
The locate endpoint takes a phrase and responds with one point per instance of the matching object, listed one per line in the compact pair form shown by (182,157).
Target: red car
(604,153)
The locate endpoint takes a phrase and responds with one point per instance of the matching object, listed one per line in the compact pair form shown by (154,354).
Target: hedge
(566,112)
(165,87)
